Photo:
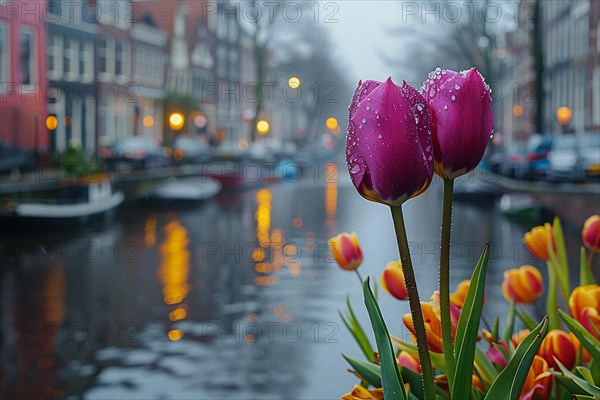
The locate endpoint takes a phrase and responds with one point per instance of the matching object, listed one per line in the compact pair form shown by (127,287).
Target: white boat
(188,189)
(78,200)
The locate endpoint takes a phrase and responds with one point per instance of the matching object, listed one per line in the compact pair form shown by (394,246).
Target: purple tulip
(462,121)
(388,145)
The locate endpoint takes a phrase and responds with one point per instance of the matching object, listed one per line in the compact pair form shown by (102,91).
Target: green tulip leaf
(367,370)
(585,374)
(568,384)
(582,383)
(358,332)
(414,380)
(561,252)
(585,271)
(527,319)
(467,328)
(509,383)
(587,340)
(595,370)
(486,368)
(393,385)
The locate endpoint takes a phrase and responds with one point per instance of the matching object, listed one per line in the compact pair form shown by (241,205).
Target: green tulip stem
(445,282)
(552,300)
(415,304)
(360,279)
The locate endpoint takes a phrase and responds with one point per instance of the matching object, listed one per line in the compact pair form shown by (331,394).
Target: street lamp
(331,123)
(176,121)
(294,82)
(51,122)
(563,116)
(262,127)
(517,110)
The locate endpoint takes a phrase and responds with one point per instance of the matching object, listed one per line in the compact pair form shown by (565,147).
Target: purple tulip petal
(385,135)
(462,119)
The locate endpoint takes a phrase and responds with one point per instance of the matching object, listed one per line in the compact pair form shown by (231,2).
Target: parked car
(190,150)
(137,152)
(13,159)
(536,164)
(575,158)
(514,164)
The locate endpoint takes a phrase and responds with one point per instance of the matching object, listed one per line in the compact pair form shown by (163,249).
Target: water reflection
(235,298)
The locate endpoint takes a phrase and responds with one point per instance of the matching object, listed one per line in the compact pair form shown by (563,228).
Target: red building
(23,79)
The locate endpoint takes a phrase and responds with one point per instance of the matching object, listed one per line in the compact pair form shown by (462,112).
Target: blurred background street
(170,172)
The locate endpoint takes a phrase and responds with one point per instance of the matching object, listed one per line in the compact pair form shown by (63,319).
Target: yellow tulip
(392,280)
(360,393)
(346,250)
(537,240)
(538,383)
(584,304)
(522,285)
(557,344)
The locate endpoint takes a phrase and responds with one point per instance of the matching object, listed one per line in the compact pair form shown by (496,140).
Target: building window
(26,56)
(103,56)
(120,59)
(3,55)
(71,64)
(598,37)
(86,60)
(596,96)
(55,56)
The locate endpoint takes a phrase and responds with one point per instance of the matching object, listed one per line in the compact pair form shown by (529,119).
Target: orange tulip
(360,393)
(537,241)
(538,383)
(591,233)
(522,285)
(433,324)
(346,250)
(409,361)
(585,356)
(557,344)
(476,382)
(584,304)
(392,280)
(458,297)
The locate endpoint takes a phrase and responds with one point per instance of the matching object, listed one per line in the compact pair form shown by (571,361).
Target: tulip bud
(346,250)
(537,240)
(388,144)
(591,233)
(522,285)
(460,105)
(392,280)
(557,344)
(458,297)
(538,383)
(584,304)
(409,361)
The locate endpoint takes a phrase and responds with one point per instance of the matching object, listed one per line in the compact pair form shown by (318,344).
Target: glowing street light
(148,121)
(176,121)
(262,127)
(564,115)
(51,122)
(331,123)
(294,82)
(517,110)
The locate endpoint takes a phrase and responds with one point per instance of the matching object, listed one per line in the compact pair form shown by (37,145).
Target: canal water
(235,298)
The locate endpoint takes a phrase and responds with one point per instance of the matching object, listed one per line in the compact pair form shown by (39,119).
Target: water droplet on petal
(453,98)
(355,169)
(445,107)
(368,108)
(457,87)
(380,136)
(364,120)
(360,127)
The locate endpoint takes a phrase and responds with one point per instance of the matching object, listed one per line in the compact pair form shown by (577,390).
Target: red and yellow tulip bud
(523,284)
(360,393)
(584,304)
(518,337)
(591,233)
(409,361)
(537,241)
(346,250)
(433,324)
(557,344)
(458,297)
(585,356)
(392,280)
(538,383)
